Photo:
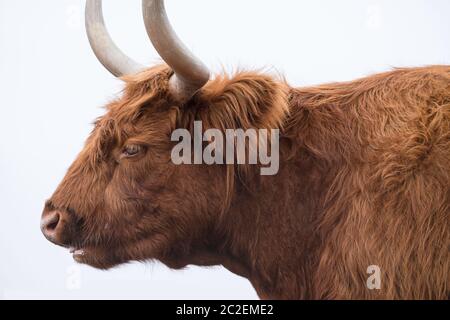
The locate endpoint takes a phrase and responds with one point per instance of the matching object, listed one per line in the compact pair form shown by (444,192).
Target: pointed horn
(103,46)
(190,73)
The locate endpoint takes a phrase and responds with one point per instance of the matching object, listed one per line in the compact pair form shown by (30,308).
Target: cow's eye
(132,150)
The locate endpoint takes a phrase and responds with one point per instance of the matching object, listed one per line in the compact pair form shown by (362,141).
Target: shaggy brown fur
(364,180)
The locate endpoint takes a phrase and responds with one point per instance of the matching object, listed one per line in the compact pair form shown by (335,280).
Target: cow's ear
(246,100)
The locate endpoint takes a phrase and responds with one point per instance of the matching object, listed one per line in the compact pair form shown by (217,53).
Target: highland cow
(364,177)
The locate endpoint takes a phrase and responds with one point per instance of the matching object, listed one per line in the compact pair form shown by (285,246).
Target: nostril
(53,223)
(50,222)
(57,226)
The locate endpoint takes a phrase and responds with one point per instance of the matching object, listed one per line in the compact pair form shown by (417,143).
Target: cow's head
(123,198)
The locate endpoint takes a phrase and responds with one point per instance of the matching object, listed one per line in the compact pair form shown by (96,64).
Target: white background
(52,87)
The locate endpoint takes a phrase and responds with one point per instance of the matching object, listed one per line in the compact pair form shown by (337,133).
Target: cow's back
(387,140)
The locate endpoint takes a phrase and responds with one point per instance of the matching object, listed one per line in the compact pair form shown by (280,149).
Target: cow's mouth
(107,256)
(93,257)
(78,254)
(98,257)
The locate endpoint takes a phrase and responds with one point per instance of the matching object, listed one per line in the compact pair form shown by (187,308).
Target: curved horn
(104,48)
(190,73)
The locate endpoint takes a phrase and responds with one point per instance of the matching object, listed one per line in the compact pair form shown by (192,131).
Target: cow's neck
(269,234)
(270,230)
